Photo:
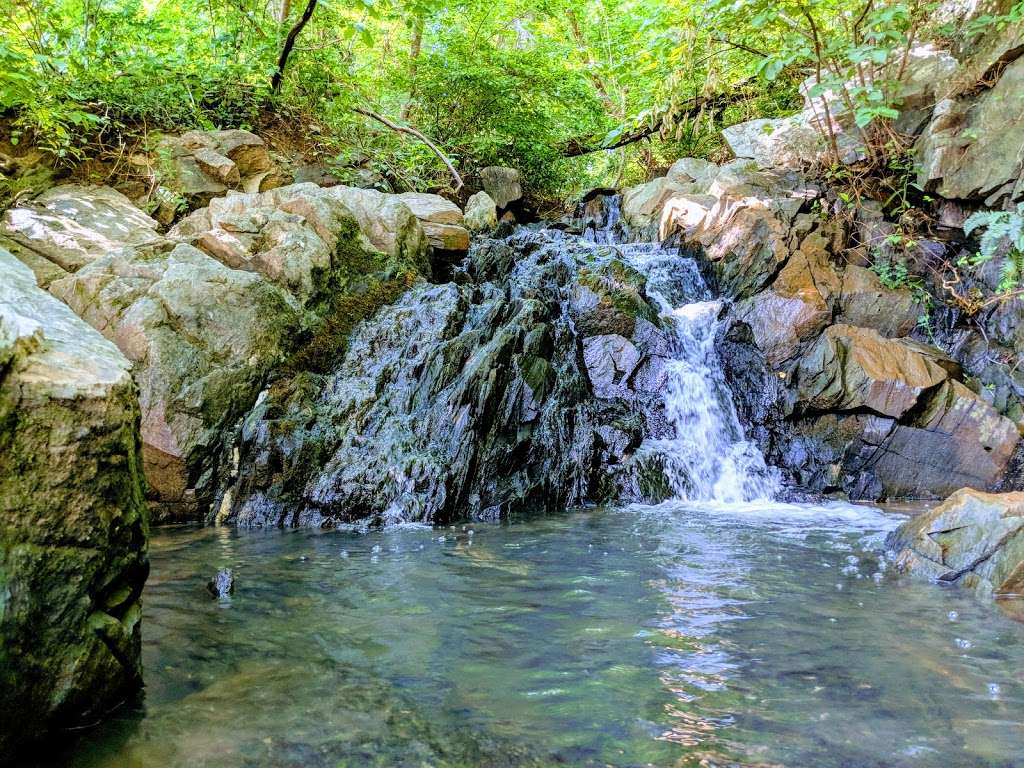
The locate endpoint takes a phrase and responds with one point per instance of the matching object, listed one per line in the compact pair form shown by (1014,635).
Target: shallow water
(666,636)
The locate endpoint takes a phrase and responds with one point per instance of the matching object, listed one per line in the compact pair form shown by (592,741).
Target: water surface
(756,635)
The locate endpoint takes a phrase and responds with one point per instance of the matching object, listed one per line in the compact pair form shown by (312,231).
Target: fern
(1000,227)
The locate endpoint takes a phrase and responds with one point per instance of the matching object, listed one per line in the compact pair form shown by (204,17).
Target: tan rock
(974,539)
(852,368)
(865,302)
(432,208)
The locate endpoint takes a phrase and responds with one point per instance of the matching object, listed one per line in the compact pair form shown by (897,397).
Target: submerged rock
(973,539)
(72,517)
(222,584)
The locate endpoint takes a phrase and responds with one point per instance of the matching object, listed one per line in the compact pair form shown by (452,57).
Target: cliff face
(72,518)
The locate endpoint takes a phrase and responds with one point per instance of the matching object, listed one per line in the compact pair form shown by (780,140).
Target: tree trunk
(414,60)
(289,43)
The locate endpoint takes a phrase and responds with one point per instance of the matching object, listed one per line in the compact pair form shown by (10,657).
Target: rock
(480,397)
(956,439)
(886,418)
(308,240)
(802,140)
(609,299)
(642,205)
(386,222)
(71,225)
(798,305)
(973,539)
(72,519)
(970,149)
(441,220)
(201,338)
(446,237)
(502,184)
(481,213)
(222,584)
(198,166)
(785,142)
(852,369)
(609,359)
(692,170)
(432,208)
(865,302)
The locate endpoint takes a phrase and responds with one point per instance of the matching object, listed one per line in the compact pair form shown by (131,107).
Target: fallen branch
(688,109)
(413,132)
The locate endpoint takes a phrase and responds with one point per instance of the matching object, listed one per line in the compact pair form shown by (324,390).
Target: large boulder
(973,539)
(853,369)
(887,418)
(72,518)
(201,337)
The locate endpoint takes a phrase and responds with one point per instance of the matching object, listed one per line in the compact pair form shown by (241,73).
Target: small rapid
(708,458)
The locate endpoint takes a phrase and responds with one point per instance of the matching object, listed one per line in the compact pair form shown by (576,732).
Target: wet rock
(72,518)
(609,359)
(476,398)
(973,539)
(222,584)
(502,184)
(609,299)
(481,213)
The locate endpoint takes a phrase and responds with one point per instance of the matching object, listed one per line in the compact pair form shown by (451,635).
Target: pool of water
(764,635)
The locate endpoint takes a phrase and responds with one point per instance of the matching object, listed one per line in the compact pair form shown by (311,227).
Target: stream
(719,628)
(674,635)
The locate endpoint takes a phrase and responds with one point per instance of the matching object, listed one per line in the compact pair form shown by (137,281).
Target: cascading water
(709,458)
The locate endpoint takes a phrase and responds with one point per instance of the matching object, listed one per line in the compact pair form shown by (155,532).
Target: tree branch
(413,132)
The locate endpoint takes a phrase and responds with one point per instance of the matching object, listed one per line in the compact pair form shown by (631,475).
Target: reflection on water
(666,636)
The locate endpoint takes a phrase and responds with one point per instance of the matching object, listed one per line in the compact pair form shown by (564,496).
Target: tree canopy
(572,92)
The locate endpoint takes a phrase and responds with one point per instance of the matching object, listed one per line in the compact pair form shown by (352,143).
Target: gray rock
(973,539)
(222,584)
(502,184)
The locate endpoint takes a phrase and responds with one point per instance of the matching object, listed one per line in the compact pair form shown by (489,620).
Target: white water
(709,459)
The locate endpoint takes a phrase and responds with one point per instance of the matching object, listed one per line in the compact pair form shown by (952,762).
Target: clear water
(747,635)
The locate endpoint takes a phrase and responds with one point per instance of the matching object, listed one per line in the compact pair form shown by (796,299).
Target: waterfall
(708,459)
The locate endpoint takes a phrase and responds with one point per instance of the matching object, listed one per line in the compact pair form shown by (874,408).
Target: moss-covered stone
(72,519)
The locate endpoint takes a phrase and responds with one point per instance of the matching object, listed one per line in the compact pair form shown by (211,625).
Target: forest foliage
(537,84)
